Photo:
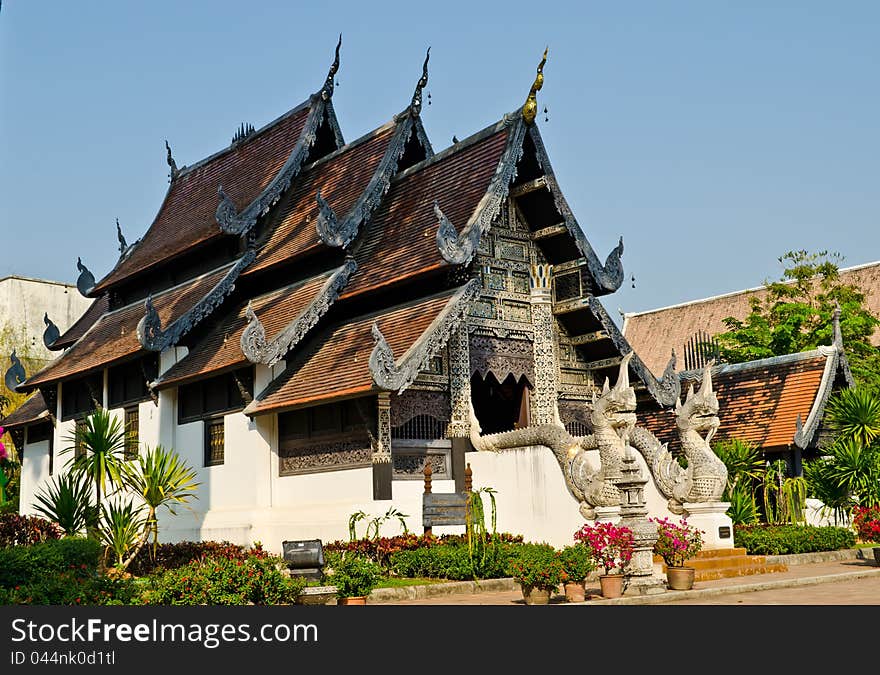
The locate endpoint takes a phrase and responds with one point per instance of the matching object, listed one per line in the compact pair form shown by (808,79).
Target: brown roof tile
(341,179)
(655,333)
(114,336)
(401,238)
(186,217)
(32,410)
(220,350)
(335,364)
(758,401)
(95,311)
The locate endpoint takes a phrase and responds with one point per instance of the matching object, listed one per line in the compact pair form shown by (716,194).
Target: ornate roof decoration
(15,375)
(340,233)
(253,340)
(85,283)
(388,373)
(171,163)
(459,248)
(243,131)
(152,336)
(124,248)
(227,215)
(415,105)
(327,90)
(51,333)
(666,390)
(530,108)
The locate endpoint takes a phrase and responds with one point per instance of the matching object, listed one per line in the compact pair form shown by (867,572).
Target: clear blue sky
(714,136)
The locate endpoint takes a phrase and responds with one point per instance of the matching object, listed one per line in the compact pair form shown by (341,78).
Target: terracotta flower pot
(354,600)
(680,578)
(611,585)
(575,591)
(536,596)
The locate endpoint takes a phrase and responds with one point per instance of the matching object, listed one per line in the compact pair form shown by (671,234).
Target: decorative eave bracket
(85,283)
(257,349)
(51,333)
(16,374)
(152,336)
(388,374)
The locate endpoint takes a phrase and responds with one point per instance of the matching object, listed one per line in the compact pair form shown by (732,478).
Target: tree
(795,315)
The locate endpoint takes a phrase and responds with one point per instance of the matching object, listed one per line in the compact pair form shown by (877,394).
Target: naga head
(699,411)
(615,407)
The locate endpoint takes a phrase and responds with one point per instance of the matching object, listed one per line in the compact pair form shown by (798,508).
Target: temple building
(309,321)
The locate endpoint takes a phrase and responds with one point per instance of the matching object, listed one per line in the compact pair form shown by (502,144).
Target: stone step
(728,572)
(725,563)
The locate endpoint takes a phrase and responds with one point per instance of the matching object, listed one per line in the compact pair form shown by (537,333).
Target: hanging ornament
(633,280)
(429,98)
(546,115)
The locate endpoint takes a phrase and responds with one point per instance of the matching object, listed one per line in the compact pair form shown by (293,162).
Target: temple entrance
(500,406)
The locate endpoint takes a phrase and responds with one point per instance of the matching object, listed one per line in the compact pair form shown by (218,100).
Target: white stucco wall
(34,471)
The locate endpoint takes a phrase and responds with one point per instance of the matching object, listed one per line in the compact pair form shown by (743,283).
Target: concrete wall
(34,471)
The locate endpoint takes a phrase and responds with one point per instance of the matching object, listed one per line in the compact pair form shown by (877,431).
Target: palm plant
(743,509)
(160,479)
(102,440)
(856,469)
(836,500)
(743,461)
(121,527)
(854,414)
(67,501)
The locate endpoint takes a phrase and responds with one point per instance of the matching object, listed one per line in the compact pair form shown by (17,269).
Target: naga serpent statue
(612,417)
(705,478)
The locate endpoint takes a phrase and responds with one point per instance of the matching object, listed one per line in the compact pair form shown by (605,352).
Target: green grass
(398,582)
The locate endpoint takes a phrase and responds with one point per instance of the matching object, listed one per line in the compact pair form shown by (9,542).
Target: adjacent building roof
(654,333)
(775,403)
(31,411)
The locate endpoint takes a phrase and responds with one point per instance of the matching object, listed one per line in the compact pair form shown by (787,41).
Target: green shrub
(223,581)
(16,530)
(577,562)
(71,587)
(786,539)
(355,576)
(20,565)
(453,561)
(538,568)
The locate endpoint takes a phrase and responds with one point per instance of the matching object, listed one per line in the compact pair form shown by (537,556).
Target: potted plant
(577,563)
(355,577)
(539,572)
(676,544)
(611,547)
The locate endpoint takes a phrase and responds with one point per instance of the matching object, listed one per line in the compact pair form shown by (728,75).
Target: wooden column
(382,469)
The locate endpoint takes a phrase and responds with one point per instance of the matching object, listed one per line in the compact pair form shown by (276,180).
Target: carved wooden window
(127,383)
(577,428)
(132,432)
(435,366)
(78,397)
(214,441)
(322,421)
(36,433)
(421,427)
(215,395)
(79,447)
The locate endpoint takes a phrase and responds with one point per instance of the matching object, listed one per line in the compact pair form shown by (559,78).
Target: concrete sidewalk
(847,577)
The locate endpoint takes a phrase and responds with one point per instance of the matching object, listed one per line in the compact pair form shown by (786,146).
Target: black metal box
(304,558)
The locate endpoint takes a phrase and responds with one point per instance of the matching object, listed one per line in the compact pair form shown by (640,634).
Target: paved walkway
(848,581)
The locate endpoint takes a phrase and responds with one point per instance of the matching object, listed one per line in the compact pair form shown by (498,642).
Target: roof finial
(122,243)
(416,104)
(327,91)
(835,321)
(530,109)
(171,162)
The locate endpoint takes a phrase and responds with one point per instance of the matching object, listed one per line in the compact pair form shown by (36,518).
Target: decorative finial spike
(530,109)
(415,105)
(122,243)
(835,321)
(171,162)
(329,83)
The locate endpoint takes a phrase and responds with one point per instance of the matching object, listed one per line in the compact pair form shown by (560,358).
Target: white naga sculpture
(705,477)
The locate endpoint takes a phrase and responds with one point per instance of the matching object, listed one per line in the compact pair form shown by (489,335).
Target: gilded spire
(530,109)
(327,91)
(416,104)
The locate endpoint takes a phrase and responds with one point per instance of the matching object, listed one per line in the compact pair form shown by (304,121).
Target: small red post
(428,472)
(468,478)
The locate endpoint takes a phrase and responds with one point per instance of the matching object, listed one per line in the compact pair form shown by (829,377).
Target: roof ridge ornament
(329,83)
(415,105)
(51,333)
(243,131)
(171,163)
(835,322)
(530,108)
(122,243)
(85,283)
(16,374)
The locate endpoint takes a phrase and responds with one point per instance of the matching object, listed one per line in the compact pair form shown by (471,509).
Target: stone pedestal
(607,514)
(712,519)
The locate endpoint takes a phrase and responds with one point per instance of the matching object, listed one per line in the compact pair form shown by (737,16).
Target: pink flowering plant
(676,542)
(611,545)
